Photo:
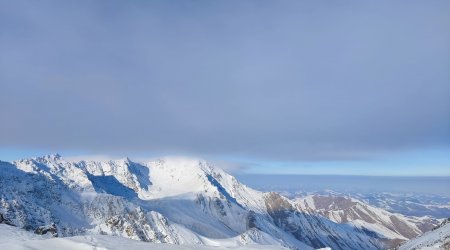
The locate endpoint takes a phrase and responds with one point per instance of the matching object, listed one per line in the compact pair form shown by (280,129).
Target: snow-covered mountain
(170,200)
(409,204)
(392,228)
(438,238)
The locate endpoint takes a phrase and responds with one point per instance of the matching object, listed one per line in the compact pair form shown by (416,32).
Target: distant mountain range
(389,227)
(187,202)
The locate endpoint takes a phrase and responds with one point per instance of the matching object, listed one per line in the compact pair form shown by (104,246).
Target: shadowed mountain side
(110,185)
(170,200)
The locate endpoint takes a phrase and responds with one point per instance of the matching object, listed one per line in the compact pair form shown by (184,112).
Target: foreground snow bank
(13,238)
(438,238)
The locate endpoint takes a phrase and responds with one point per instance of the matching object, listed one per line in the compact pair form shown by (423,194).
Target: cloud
(230,166)
(287,81)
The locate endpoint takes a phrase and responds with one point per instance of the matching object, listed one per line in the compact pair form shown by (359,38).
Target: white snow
(361,215)
(13,238)
(434,239)
(180,201)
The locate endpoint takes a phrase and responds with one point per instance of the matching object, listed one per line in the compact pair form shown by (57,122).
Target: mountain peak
(55,156)
(49,157)
(176,200)
(125,160)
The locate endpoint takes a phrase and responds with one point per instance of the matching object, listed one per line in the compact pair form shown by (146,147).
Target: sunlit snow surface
(438,238)
(13,238)
(185,202)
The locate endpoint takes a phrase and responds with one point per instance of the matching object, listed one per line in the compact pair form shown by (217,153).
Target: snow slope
(181,201)
(393,228)
(438,238)
(13,238)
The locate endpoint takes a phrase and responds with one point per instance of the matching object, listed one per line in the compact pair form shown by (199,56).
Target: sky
(316,87)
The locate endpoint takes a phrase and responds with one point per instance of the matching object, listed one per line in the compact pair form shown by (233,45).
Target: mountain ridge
(167,200)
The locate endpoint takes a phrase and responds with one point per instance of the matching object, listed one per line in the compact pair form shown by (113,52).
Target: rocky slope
(390,227)
(438,238)
(170,200)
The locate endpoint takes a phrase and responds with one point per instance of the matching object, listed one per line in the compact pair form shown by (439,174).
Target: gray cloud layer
(279,80)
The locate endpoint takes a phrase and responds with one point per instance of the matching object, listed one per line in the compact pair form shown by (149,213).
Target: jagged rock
(389,228)
(173,200)
(251,220)
(3,220)
(42,230)
(438,238)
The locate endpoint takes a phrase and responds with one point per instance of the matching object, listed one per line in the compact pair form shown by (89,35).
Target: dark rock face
(315,230)
(445,222)
(285,216)
(446,246)
(282,212)
(251,220)
(3,220)
(345,210)
(47,229)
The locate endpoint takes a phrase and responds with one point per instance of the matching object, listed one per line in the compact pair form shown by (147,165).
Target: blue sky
(433,162)
(270,87)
